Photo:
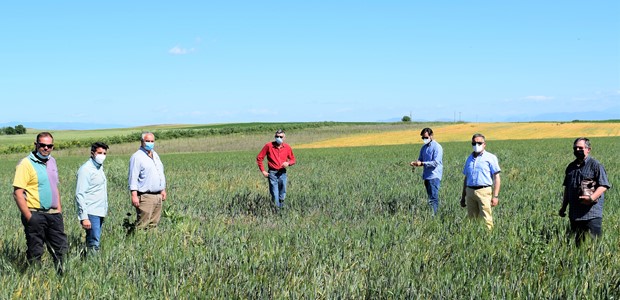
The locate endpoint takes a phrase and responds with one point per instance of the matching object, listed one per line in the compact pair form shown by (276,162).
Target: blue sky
(163,62)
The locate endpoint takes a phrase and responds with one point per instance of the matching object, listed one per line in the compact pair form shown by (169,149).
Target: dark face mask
(579,154)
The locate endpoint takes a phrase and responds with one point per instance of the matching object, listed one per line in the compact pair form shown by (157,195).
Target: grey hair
(144,135)
(584,139)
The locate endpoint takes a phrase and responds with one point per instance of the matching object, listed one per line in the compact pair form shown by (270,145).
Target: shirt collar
(36,159)
(97,165)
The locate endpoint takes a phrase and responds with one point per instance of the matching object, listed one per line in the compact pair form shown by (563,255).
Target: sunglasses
(41,145)
(279,136)
(477,143)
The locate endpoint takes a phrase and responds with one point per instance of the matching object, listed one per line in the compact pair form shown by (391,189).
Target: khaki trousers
(149,211)
(479,204)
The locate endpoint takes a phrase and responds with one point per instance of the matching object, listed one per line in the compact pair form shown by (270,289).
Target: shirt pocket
(97,179)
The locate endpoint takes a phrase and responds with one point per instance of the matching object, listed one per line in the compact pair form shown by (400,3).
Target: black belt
(149,193)
(477,187)
(52,210)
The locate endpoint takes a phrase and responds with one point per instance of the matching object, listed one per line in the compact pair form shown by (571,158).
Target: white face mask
(426,141)
(100,158)
(477,148)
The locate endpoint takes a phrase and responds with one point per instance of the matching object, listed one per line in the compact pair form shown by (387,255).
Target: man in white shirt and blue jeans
(91,195)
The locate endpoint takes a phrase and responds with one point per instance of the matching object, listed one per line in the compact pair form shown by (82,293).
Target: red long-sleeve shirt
(276,155)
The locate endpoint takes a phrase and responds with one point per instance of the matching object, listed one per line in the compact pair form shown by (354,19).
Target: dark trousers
(581,228)
(48,229)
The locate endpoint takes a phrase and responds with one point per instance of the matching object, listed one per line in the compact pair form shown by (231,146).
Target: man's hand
(86,224)
(562,212)
(266,174)
(135,200)
(285,164)
(494,201)
(163,195)
(416,163)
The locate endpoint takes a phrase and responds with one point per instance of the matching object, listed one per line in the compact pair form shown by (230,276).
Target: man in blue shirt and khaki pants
(482,183)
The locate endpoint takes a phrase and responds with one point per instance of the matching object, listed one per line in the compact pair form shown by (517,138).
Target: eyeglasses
(477,143)
(279,136)
(428,137)
(41,145)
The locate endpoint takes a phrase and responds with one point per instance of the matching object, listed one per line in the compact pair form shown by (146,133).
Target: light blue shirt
(91,192)
(431,156)
(146,174)
(479,170)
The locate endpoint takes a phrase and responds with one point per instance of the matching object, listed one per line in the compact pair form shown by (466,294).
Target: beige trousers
(479,204)
(149,211)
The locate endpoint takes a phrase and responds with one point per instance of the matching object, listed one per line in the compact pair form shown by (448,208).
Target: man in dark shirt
(586,204)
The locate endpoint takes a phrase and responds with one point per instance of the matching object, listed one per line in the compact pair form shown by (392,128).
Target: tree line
(19,129)
(169,134)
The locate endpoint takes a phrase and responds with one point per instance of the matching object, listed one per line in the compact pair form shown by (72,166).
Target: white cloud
(176,50)
(539,98)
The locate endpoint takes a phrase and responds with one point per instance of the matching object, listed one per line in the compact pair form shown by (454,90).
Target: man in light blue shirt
(431,158)
(482,182)
(147,183)
(91,195)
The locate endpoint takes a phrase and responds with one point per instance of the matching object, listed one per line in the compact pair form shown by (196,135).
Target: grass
(357,226)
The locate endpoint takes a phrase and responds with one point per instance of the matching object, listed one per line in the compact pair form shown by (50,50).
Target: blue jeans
(432,189)
(93,235)
(277,187)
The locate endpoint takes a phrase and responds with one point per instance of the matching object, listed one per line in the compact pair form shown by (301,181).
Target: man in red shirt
(279,157)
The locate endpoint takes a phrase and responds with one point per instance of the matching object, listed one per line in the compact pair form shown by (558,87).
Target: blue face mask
(41,156)
(279,140)
(149,146)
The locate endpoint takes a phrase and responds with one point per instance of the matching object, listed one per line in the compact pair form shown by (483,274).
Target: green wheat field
(356,226)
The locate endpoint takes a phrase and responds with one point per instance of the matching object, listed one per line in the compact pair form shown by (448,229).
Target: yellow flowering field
(464,131)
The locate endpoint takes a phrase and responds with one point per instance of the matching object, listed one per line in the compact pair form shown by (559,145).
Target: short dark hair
(280,131)
(43,134)
(426,130)
(97,145)
(584,139)
(478,135)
